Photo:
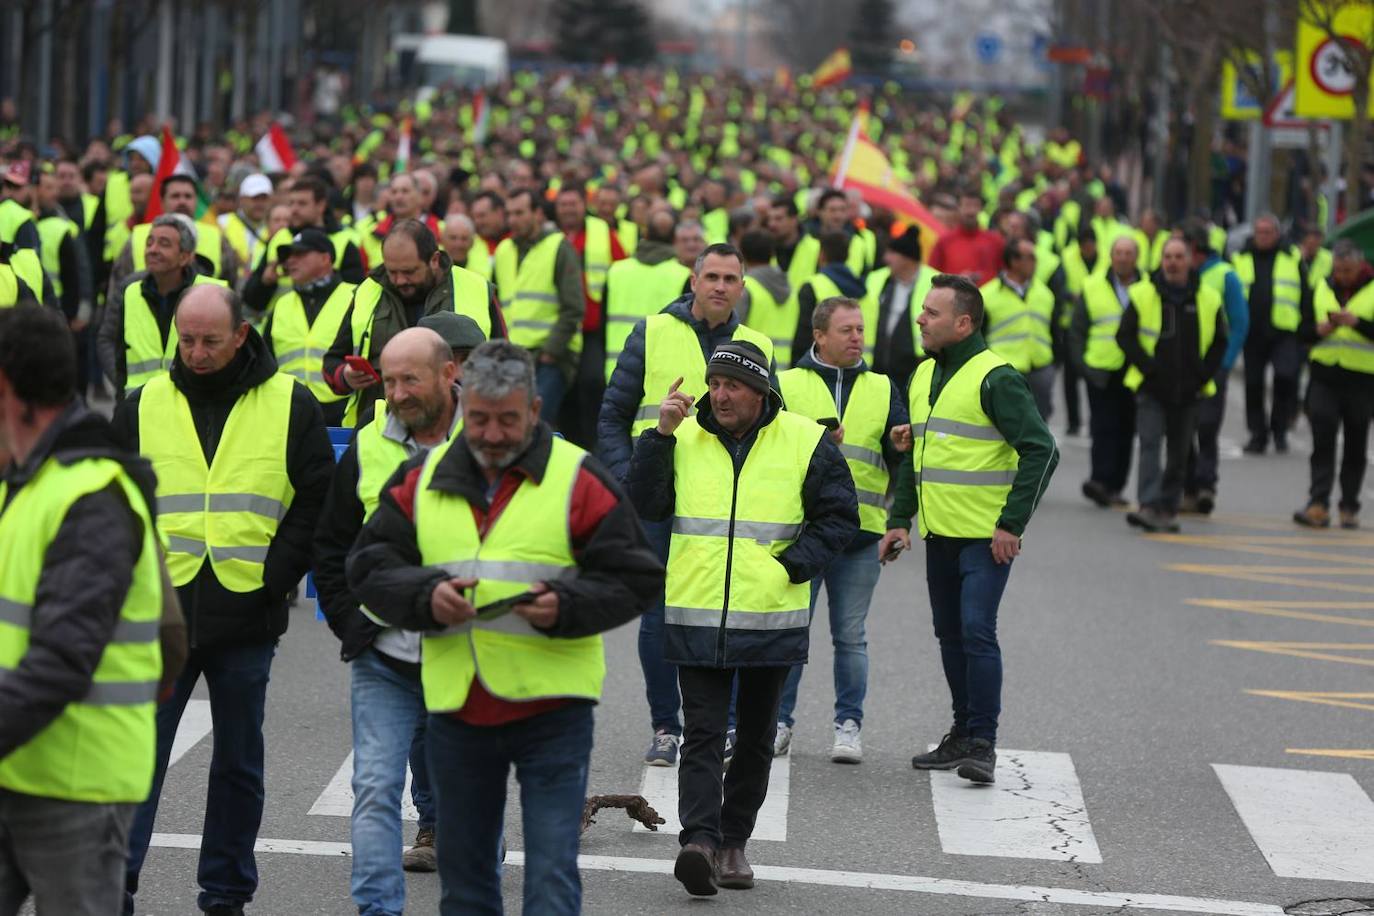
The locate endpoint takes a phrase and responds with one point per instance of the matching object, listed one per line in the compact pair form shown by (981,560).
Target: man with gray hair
(464,547)
(457,238)
(135,343)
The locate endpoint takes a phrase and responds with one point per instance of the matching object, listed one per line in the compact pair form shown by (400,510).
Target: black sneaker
(1255,446)
(1281,445)
(944,757)
(978,762)
(1206,501)
(1097,493)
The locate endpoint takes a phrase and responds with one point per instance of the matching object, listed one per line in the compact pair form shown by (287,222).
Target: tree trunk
(1355,146)
(1200,154)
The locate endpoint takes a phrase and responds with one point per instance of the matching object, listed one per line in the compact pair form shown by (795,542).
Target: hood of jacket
(250,367)
(773,279)
(844,278)
(650,252)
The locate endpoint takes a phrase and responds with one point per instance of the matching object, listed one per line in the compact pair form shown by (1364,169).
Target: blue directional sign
(988,47)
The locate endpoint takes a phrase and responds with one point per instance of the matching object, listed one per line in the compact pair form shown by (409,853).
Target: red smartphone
(358,364)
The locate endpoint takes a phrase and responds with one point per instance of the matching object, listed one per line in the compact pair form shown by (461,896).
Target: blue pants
(237,680)
(849,582)
(470,765)
(966,585)
(552,387)
(660,678)
(388,725)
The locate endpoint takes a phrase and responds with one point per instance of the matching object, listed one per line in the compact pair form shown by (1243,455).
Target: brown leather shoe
(1314,516)
(732,870)
(696,869)
(421,857)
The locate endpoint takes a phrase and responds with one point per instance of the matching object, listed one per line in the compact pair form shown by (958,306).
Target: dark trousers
(1332,409)
(966,585)
(237,680)
(69,856)
(1112,426)
(702,780)
(1072,382)
(1283,353)
(660,677)
(583,404)
(1170,428)
(1202,454)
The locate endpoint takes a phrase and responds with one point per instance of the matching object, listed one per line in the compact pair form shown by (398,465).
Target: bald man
(243,464)
(420,411)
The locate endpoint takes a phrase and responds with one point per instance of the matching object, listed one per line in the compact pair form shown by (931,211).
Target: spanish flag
(834,69)
(864,167)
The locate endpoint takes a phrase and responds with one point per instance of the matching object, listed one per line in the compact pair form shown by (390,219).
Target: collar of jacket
(653,252)
(844,278)
(681,309)
(188,276)
(250,367)
(460,474)
(524,245)
(1170,293)
(951,358)
(772,405)
(811,360)
(399,433)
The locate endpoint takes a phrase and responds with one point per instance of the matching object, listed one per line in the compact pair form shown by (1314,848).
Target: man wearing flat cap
(304,322)
(761,500)
(892,339)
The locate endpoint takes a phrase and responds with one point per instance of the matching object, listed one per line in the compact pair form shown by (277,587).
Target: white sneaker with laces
(847,748)
(782,740)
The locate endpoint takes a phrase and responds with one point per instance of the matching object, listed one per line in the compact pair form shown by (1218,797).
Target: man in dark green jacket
(977,464)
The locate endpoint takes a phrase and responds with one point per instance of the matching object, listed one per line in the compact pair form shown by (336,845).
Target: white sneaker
(782,741)
(848,748)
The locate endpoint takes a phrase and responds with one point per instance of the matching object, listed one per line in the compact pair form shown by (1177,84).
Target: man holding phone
(831,381)
(981,458)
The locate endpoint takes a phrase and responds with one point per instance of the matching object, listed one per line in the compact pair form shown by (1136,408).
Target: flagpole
(838,180)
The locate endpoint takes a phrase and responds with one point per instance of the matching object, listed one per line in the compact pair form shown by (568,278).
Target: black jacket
(87,572)
(215,615)
(614,445)
(618,574)
(849,285)
(894,354)
(1175,375)
(831,513)
(257,292)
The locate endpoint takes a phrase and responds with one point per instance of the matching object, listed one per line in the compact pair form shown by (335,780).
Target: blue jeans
(237,680)
(660,678)
(552,387)
(388,724)
(470,765)
(966,586)
(849,582)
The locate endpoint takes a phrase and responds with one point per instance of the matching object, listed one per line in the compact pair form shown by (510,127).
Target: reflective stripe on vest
(1018,329)
(672,349)
(99,748)
(1104,317)
(1344,347)
(300,347)
(775,320)
(865,425)
(1285,284)
(521,547)
(964,468)
(146,354)
(527,289)
(1150,312)
(634,291)
(229,510)
(730,537)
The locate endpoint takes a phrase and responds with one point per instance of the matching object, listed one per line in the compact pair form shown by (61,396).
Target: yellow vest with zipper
(300,346)
(528,543)
(227,510)
(596,257)
(51,231)
(1344,347)
(1019,329)
(1286,282)
(1150,311)
(964,468)
(865,426)
(146,354)
(528,291)
(727,534)
(672,350)
(634,291)
(100,748)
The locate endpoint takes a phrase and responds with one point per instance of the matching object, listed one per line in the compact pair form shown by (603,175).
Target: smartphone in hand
(359,364)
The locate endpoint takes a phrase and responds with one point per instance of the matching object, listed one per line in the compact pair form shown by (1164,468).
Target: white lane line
(1308,824)
(337,798)
(1034,810)
(816,876)
(195,724)
(659,788)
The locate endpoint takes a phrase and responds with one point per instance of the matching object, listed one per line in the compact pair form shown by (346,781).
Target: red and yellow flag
(834,69)
(864,167)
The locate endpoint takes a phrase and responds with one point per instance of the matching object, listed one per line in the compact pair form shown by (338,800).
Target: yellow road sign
(1238,102)
(1323,82)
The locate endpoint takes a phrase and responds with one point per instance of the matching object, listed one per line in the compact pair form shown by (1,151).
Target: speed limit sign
(1330,69)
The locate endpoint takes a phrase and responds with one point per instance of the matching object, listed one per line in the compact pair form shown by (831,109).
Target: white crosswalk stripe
(337,798)
(1035,810)
(195,724)
(659,789)
(1307,824)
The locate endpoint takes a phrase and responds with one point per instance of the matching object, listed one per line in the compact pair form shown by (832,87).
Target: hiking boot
(782,740)
(1150,519)
(979,762)
(663,749)
(847,748)
(944,757)
(696,869)
(421,857)
(1206,501)
(732,870)
(1314,516)
(1097,493)
(1170,522)
(1350,519)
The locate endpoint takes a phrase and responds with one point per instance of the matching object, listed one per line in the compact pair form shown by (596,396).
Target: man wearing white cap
(246,228)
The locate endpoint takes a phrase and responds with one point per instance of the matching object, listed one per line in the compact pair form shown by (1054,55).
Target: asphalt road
(1117,685)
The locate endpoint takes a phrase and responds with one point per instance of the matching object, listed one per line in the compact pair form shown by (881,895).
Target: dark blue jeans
(237,680)
(553,386)
(660,678)
(469,766)
(966,586)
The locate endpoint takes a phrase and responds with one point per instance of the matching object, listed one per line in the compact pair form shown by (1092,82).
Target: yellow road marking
(1317,651)
(1257,575)
(1294,610)
(1332,752)
(1221,569)
(1248,546)
(1343,700)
